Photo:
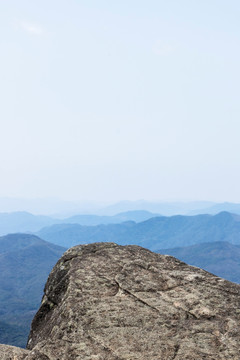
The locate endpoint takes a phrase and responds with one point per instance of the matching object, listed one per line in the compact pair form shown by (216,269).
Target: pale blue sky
(113,100)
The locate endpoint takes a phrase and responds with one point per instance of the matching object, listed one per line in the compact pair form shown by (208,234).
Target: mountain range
(60,209)
(172,208)
(26,222)
(155,233)
(220,258)
(25,262)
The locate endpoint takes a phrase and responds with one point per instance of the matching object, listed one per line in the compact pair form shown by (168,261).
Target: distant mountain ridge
(92,220)
(26,222)
(164,208)
(217,208)
(220,258)
(155,233)
(25,262)
(23,222)
(137,211)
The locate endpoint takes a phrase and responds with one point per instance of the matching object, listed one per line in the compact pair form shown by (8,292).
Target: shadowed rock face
(109,302)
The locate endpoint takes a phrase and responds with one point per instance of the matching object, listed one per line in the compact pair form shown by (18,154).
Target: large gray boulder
(108,302)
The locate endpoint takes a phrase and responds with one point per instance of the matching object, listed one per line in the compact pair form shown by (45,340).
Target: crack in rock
(135,297)
(177,347)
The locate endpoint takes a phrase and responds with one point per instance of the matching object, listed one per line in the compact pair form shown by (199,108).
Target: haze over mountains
(61,209)
(172,208)
(220,258)
(138,211)
(25,263)
(26,222)
(155,233)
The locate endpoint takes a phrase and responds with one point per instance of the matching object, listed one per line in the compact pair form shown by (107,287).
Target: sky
(120,100)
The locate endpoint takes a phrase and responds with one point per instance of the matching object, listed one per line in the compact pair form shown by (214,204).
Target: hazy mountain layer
(164,208)
(25,262)
(217,208)
(220,258)
(23,222)
(26,222)
(155,233)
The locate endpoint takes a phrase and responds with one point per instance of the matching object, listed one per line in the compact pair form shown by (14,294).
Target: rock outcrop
(12,353)
(109,302)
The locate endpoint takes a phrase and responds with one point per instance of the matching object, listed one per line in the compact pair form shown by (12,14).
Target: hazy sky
(112,100)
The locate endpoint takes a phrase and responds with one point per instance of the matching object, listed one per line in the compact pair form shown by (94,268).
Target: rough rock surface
(12,353)
(109,302)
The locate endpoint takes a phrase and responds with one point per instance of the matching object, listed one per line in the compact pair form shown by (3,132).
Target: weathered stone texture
(108,302)
(12,353)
